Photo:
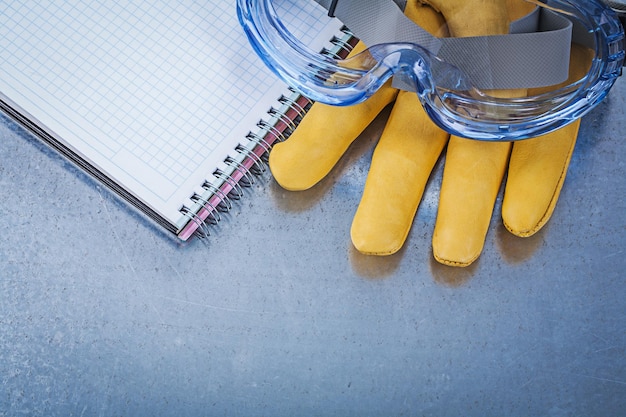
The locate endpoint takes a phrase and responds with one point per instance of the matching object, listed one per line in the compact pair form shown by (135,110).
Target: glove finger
(322,137)
(471,180)
(402,162)
(474,170)
(536,175)
(538,167)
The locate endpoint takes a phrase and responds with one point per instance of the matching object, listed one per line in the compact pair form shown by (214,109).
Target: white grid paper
(154,93)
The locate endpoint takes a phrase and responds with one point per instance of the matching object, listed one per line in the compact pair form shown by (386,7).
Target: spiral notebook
(164,102)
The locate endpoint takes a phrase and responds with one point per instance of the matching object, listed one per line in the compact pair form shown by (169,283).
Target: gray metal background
(277,315)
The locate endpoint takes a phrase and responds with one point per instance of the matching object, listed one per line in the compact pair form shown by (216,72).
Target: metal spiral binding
(256,152)
(214,213)
(202,230)
(225,203)
(293,104)
(258,166)
(236,192)
(246,179)
(342,47)
(345,45)
(283,118)
(270,128)
(257,140)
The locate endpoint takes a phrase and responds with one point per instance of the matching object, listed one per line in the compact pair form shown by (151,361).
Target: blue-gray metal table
(277,315)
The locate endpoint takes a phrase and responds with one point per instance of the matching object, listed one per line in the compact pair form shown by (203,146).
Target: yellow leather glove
(411,144)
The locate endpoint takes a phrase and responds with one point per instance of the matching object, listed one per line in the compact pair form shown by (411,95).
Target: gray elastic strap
(380,21)
(534,54)
(535,58)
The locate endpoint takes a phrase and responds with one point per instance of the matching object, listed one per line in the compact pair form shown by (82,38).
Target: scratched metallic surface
(277,315)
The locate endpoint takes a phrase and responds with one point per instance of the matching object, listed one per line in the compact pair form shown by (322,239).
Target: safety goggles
(453,77)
